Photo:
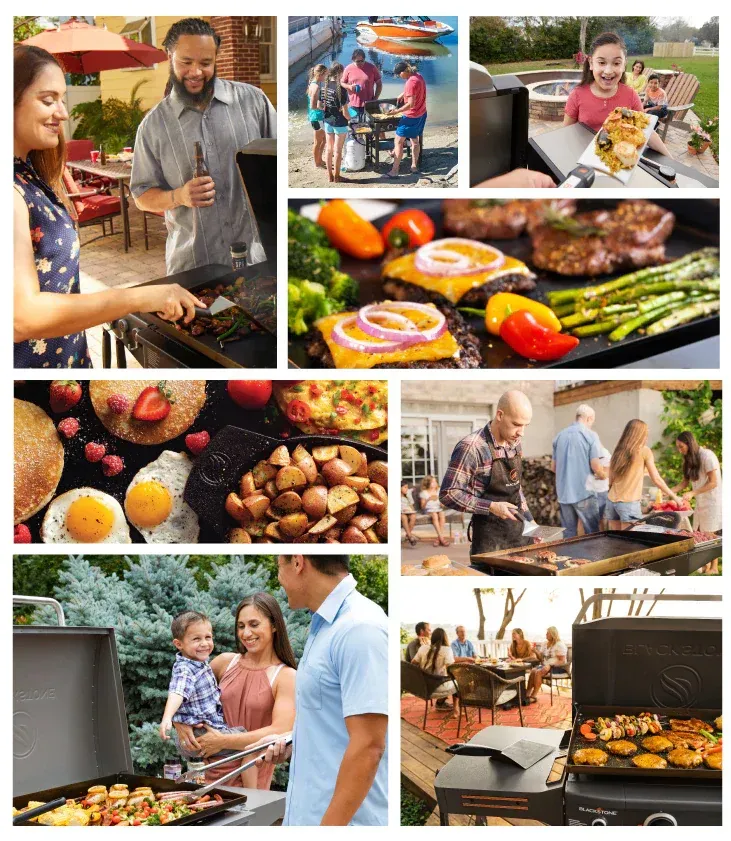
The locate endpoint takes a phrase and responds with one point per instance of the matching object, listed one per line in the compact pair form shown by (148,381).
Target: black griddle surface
(696,226)
(219,411)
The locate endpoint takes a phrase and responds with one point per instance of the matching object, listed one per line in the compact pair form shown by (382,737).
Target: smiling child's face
(607,65)
(197,642)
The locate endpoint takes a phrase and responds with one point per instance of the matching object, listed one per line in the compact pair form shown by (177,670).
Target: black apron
(486,532)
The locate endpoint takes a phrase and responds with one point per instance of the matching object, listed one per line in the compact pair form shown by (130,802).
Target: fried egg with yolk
(154,501)
(85,515)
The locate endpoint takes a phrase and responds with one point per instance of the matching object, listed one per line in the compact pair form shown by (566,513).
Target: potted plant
(701,136)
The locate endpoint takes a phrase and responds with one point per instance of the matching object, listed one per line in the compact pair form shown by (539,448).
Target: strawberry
(196,442)
(21,534)
(111,465)
(64,394)
(154,403)
(68,427)
(118,404)
(94,451)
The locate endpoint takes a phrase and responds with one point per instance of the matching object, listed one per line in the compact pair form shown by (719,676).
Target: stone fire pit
(547,99)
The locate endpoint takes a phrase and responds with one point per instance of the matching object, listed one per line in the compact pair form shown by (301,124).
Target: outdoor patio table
(557,152)
(508,672)
(122,172)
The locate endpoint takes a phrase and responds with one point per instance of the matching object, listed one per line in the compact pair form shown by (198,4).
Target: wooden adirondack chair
(681,94)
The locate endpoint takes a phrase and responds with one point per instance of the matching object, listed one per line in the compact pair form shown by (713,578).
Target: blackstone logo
(47,694)
(25,734)
(676,686)
(631,649)
(597,810)
(513,475)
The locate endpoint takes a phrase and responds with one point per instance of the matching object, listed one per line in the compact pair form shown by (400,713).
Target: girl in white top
(434,659)
(429,500)
(702,472)
(553,655)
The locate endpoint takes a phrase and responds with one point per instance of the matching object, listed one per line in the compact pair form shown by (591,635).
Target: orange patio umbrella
(83,48)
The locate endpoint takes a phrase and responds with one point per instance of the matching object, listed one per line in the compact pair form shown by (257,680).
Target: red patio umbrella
(83,48)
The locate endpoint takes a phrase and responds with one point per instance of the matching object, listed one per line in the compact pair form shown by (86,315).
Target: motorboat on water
(419,28)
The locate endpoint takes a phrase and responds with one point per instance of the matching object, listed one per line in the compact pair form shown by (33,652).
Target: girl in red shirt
(601,88)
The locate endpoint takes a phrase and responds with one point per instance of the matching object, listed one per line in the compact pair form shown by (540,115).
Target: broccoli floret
(305,231)
(307,301)
(312,262)
(343,288)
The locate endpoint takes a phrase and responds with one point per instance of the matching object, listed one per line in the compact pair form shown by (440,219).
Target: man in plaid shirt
(484,477)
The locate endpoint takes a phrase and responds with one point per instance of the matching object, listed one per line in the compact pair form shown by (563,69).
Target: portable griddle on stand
(655,663)
(380,128)
(70,726)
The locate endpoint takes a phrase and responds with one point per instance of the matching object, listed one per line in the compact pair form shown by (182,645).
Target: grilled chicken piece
(719,723)
(686,724)
(684,758)
(656,744)
(685,740)
(546,555)
(713,761)
(622,747)
(649,760)
(590,756)
(632,236)
(484,218)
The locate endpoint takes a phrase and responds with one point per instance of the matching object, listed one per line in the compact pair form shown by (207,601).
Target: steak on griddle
(631,236)
(484,218)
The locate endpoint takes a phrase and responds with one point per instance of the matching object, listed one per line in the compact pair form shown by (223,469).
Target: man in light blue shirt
(338,772)
(464,651)
(577,452)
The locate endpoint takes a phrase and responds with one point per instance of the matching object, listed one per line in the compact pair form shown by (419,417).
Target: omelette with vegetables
(356,409)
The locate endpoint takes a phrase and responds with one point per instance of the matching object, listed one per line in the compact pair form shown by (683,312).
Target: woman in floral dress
(49,324)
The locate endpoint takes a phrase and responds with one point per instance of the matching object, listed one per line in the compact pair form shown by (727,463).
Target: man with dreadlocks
(203,215)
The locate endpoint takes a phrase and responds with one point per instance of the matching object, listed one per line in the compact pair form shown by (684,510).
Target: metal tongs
(200,792)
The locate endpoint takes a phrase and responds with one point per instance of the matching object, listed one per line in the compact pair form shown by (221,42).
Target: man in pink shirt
(363,82)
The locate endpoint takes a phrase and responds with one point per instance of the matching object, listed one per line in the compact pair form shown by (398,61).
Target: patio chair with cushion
(421,684)
(80,150)
(451,517)
(681,93)
(479,687)
(560,678)
(92,206)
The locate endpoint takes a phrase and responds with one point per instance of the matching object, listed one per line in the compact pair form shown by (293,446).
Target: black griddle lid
(69,721)
(523,753)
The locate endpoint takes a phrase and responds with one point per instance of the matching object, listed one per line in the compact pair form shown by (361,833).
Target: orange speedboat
(403,28)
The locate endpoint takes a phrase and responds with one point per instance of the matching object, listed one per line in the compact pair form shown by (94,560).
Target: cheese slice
(452,288)
(444,347)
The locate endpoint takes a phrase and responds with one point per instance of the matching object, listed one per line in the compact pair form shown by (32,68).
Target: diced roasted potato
(363,469)
(319,480)
(293,525)
(340,497)
(288,502)
(305,538)
(256,505)
(382,526)
(351,456)
(314,501)
(353,535)
(363,521)
(235,508)
(344,516)
(374,500)
(378,473)
(272,530)
(299,453)
(256,527)
(272,514)
(370,535)
(270,489)
(333,535)
(335,471)
(324,453)
(325,524)
(290,478)
(307,465)
(247,485)
(239,536)
(280,457)
(262,473)
(360,483)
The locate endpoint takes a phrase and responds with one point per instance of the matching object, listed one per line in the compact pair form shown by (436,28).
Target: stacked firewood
(539,487)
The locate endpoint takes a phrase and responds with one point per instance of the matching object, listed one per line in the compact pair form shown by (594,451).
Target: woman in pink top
(413,119)
(601,88)
(257,686)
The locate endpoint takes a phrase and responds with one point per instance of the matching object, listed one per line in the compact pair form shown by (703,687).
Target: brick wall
(238,59)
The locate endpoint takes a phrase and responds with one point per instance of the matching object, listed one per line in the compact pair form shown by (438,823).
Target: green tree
(26,27)
(111,123)
(709,32)
(696,411)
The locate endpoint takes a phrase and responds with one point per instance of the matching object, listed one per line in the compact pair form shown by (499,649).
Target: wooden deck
(422,755)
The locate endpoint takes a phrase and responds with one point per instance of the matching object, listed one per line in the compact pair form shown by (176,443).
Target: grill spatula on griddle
(529,526)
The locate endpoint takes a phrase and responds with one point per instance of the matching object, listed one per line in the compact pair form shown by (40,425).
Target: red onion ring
(412,335)
(340,337)
(451,263)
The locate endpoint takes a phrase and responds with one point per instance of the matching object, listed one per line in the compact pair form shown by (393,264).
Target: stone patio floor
(104,265)
(676,141)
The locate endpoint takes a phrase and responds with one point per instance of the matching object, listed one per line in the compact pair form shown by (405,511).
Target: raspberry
(21,534)
(118,403)
(197,442)
(111,465)
(68,427)
(94,452)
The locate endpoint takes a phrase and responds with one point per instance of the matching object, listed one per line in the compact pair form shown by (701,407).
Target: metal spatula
(219,305)
(529,526)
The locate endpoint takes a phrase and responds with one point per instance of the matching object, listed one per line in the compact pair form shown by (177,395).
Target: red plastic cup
(95,155)
(127,149)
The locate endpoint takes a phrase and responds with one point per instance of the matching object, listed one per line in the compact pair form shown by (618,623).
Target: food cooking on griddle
(590,756)
(500,218)
(687,739)
(546,555)
(684,758)
(622,747)
(656,744)
(649,760)
(620,138)
(620,726)
(684,724)
(713,760)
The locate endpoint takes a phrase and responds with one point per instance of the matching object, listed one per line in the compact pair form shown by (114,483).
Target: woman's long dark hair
(514,651)
(28,62)
(692,459)
(587,77)
(268,606)
(438,641)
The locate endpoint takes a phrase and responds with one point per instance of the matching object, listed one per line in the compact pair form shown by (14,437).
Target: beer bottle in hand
(201,169)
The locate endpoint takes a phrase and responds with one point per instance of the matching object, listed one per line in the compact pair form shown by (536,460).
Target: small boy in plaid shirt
(193,695)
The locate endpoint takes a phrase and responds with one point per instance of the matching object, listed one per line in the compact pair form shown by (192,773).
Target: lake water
(437,63)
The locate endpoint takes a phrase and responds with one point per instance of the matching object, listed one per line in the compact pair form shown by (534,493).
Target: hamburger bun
(436,562)
(189,397)
(38,460)
(410,569)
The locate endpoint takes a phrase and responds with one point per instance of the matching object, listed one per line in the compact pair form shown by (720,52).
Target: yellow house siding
(270,89)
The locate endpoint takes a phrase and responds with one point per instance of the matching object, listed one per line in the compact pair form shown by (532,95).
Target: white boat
(403,28)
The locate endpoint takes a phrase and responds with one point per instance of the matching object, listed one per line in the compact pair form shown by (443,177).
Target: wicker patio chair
(559,678)
(421,684)
(479,687)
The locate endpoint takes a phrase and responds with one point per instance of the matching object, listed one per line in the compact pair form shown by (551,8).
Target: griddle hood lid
(653,661)
(69,721)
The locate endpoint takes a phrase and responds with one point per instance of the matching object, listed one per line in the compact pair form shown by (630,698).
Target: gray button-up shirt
(164,157)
